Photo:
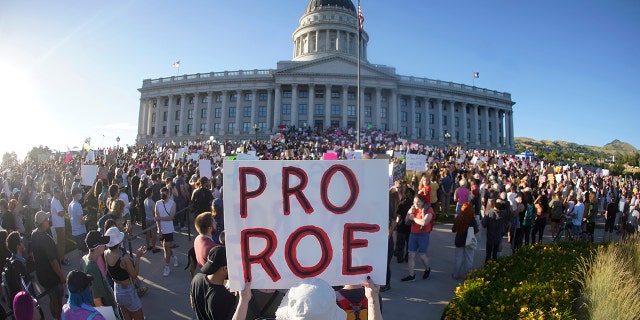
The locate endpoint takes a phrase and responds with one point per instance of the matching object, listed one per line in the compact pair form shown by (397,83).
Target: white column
(495,128)
(376,113)
(338,42)
(425,117)
(223,115)
(254,107)
(269,122)
(327,106)
(485,126)
(473,110)
(209,124)
(195,130)
(150,111)
(393,112)
(158,117)
(277,113)
(183,102)
(294,105)
(170,116)
(439,133)
(511,133)
(452,121)
(311,104)
(141,116)
(463,124)
(345,102)
(238,112)
(412,117)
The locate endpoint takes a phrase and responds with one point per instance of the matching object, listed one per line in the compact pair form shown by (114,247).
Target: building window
(457,135)
(216,127)
(262,111)
(164,129)
(232,112)
(479,125)
(166,102)
(367,97)
(246,112)
(351,110)
(233,97)
(335,123)
(335,110)
(432,119)
(383,126)
(248,96)
(178,100)
(262,96)
(203,113)
(218,98)
(303,94)
(286,94)
(319,94)
(191,100)
(430,104)
(335,94)
(418,132)
(432,133)
(190,114)
(403,116)
(403,130)
(418,117)
(490,126)
(403,102)
(457,121)
(286,109)
(153,130)
(302,109)
(367,111)
(246,126)
(383,113)
(444,120)
(175,129)
(383,98)
(418,103)
(351,95)
(218,112)
(319,109)
(231,126)
(189,128)
(262,126)
(164,116)
(177,115)
(203,127)
(153,117)
(205,99)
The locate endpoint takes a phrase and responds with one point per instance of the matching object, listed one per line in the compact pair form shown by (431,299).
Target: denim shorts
(419,242)
(126,296)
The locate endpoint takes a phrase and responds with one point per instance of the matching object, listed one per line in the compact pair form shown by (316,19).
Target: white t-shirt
(163,209)
(57,209)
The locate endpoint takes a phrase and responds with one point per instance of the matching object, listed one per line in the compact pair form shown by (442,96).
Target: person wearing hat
(80,302)
(93,264)
(78,220)
(47,263)
(123,271)
(208,295)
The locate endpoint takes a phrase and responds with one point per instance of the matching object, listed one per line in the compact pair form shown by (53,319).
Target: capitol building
(319,88)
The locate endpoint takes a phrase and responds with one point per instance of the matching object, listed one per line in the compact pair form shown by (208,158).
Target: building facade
(318,88)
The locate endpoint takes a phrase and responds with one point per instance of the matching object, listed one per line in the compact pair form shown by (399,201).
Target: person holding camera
(422,218)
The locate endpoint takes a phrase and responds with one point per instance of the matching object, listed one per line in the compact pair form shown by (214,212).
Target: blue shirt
(75,215)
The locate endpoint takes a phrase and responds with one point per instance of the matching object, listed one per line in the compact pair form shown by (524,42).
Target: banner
(88,174)
(415,162)
(204,166)
(289,220)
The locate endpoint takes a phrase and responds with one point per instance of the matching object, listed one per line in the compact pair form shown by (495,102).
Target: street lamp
(255,129)
(201,136)
(118,141)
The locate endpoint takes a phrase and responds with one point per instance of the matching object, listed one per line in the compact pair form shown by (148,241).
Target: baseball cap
(217,258)
(217,203)
(311,298)
(41,217)
(78,281)
(95,239)
(115,236)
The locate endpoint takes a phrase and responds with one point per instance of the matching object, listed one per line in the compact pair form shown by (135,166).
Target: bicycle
(568,227)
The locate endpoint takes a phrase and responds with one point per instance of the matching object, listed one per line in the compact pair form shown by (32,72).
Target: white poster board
(244,156)
(89,174)
(252,153)
(415,162)
(333,229)
(204,166)
(358,154)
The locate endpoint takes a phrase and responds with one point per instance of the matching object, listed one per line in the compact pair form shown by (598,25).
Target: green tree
(9,159)
(36,153)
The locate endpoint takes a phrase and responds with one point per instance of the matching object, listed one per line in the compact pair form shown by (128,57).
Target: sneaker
(385,288)
(166,271)
(175,261)
(408,278)
(426,273)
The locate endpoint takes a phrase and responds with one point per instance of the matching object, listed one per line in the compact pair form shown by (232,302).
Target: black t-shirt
(201,199)
(211,301)
(44,251)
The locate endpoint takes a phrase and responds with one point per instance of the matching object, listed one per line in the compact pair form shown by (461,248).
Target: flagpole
(358,88)
(473,78)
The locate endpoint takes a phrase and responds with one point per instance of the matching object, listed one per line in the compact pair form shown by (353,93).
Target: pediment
(335,66)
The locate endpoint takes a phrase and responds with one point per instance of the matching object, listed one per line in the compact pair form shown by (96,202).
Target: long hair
(463,220)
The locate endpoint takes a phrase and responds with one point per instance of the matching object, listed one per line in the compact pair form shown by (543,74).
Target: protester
(165,211)
(78,220)
(421,217)
(58,225)
(463,252)
(80,303)
(204,242)
(47,263)
(209,297)
(94,265)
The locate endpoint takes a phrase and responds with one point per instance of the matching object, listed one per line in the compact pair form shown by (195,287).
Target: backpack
(10,280)
(355,311)
(528,216)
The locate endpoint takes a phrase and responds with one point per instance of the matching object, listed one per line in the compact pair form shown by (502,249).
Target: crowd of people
(159,187)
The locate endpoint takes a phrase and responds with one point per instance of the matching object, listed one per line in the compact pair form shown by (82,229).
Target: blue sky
(71,69)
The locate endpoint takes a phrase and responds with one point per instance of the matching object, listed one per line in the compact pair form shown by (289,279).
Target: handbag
(471,241)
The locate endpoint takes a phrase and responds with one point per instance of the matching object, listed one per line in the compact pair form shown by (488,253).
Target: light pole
(447,137)
(118,141)
(255,129)
(201,136)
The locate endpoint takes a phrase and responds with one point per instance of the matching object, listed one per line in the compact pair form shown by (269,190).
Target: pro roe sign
(288,220)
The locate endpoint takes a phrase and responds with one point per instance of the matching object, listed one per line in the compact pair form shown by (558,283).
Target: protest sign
(399,171)
(245,156)
(330,156)
(357,154)
(193,157)
(252,153)
(88,174)
(288,220)
(415,162)
(204,166)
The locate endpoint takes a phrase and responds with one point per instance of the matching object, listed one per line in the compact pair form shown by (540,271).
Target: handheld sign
(289,220)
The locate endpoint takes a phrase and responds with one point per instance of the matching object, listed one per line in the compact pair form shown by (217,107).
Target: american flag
(176,64)
(360,17)
(476,74)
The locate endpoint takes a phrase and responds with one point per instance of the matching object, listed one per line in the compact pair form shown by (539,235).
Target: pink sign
(330,156)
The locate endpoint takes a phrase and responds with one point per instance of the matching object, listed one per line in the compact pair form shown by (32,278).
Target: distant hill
(563,147)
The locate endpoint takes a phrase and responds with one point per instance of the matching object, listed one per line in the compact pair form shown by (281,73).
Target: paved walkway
(168,297)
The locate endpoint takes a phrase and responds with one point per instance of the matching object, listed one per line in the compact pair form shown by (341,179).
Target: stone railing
(451,85)
(225,75)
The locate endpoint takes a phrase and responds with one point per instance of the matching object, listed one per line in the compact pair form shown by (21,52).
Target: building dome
(315,4)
